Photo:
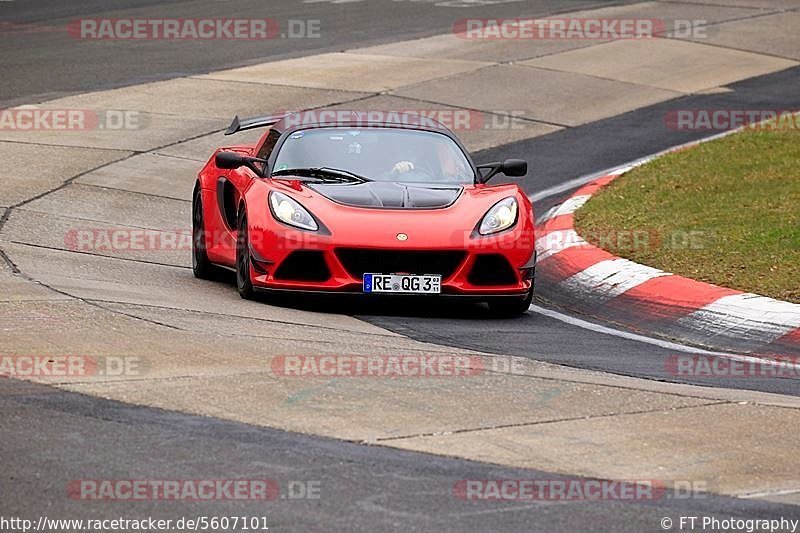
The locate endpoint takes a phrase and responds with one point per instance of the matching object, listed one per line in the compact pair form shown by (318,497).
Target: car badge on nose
(402,237)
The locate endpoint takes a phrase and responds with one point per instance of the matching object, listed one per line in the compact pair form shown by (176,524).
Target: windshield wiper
(324,174)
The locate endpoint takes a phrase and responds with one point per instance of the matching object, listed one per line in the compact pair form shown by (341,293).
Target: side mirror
(232,160)
(515,167)
(229,160)
(510,167)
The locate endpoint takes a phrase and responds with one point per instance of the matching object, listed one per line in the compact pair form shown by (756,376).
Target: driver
(402,167)
(407,157)
(448,167)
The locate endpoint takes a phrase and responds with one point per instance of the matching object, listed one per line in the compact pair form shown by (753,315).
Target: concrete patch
(773,34)
(255,327)
(200,98)
(157,352)
(534,368)
(762,4)
(54,164)
(348,71)
(117,280)
(366,409)
(95,204)
(15,288)
(201,148)
(107,278)
(686,444)
(539,94)
(669,12)
(77,328)
(171,247)
(152,174)
(449,46)
(146,132)
(161,113)
(664,63)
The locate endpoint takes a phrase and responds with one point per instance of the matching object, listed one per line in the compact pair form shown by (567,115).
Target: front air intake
(492,269)
(303,265)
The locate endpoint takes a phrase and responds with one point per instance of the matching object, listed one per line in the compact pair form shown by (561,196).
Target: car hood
(390,195)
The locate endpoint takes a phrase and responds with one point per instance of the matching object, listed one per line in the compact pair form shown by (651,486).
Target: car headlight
(290,212)
(501,216)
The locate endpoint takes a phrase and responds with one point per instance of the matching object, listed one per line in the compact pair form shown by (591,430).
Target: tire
(511,306)
(244,284)
(201,266)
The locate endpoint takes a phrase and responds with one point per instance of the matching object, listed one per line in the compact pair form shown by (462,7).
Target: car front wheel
(244,284)
(511,306)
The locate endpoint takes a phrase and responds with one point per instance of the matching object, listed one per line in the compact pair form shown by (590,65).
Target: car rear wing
(251,123)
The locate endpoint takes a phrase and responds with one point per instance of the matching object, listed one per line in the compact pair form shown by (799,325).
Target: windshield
(380,154)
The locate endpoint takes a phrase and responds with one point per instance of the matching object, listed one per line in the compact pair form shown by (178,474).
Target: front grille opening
(492,269)
(357,261)
(304,265)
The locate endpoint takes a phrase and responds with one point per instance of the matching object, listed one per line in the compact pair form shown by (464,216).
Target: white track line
(591,326)
(661,343)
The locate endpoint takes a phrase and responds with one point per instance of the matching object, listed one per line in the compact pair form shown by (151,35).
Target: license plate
(403,283)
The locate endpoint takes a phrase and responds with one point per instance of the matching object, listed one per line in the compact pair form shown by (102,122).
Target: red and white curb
(590,280)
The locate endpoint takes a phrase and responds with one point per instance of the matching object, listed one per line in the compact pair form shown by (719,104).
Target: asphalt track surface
(63,436)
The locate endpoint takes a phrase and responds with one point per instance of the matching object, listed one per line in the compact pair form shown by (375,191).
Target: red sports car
(360,206)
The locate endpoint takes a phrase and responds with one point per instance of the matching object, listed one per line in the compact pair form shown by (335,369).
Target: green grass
(726,212)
